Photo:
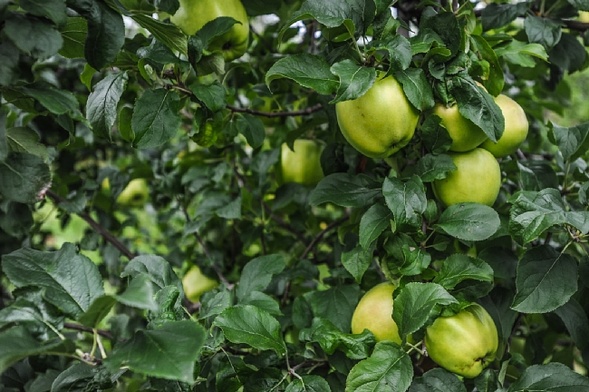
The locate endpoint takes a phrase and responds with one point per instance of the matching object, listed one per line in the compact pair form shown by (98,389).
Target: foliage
(92,297)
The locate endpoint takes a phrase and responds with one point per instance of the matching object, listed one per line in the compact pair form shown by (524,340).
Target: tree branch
(320,236)
(83,328)
(107,235)
(304,112)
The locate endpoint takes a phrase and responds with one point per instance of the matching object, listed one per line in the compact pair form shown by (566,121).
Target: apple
(464,343)
(192,15)
(303,164)
(374,312)
(477,179)
(515,131)
(380,122)
(465,134)
(135,194)
(195,283)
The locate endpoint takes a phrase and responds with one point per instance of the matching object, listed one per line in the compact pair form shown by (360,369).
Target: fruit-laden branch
(304,112)
(107,235)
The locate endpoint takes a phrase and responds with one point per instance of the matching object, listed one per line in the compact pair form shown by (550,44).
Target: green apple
(465,134)
(303,164)
(477,179)
(192,15)
(135,194)
(515,131)
(195,283)
(380,122)
(464,343)
(374,312)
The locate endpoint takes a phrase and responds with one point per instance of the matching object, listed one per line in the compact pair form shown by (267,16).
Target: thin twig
(304,112)
(320,236)
(107,235)
(83,328)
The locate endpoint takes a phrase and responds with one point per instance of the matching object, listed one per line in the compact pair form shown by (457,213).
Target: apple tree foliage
(108,89)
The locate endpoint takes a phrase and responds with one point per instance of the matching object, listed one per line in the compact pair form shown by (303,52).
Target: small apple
(380,122)
(303,164)
(135,194)
(195,283)
(192,15)
(465,134)
(374,312)
(464,343)
(515,131)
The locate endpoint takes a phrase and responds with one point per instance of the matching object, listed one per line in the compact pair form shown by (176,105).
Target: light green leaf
(522,54)
(168,352)
(354,80)
(331,338)
(389,368)
(247,324)
(469,221)
(545,280)
(98,310)
(458,267)
(308,70)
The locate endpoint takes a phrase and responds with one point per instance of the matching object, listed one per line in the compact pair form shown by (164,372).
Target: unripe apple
(515,131)
(303,164)
(374,312)
(465,134)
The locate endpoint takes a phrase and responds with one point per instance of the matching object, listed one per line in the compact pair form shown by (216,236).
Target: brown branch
(107,235)
(83,328)
(576,25)
(320,236)
(304,112)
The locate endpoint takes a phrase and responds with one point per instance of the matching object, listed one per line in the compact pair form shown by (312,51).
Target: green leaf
(168,352)
(98,310)
(166,33)
(373,223)
(497,15)
(262,301)
(258,272)
(74,34)
(546,280)
(26,140)
(54,10)
(345,190)
(571,141)
(433,167)
(139,293)
(550,377)
(435,137)
(581,5)
(70,280)
(406,200)
(543,31)
(9,58)
(335,304)
(251,127)
(102,104)
(333,13)
(356,261)
(494,80)
(532,213)
(536,175)
(404,257)
(521,53)
(388,368)
(354,80)
(331,338)
(156,118)
(416,87)
(157,268)
(35,37)
(308,383)
(24,178)
(458,267)
(212,95)
(576,322)
(416,302)
(469,221)
(475,104)
(437,380)
(17,343)
(55,100)
(308,70)
(247,324)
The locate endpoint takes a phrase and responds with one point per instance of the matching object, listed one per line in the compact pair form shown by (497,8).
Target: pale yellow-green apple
(477,179)
(135,194)
(464,343)
(465,134)
(380,122)
(374,312)
(195,283)
(515,131)
(302,164)
(192,15)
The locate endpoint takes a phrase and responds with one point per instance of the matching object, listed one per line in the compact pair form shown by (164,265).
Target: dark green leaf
(102,104)
(168,352)
(333,13)
(521,53)
(497,15)
(71,281)
(389,368)
(26,140)
(546,280)
(406,200)
(139,293)
(166,33)
(416,87)
(307,70)
(212,95)
(550,377)
(55,100)
(35,37)
(97,311)
(24,178)
(493,80)
(9,57)
(262,301)
(571,141)
(354,80)
(437,380)
(404,257)
(74,34)
(575,319)
(416,302)
(535,175)
(251,127)
(357,261)
(543,31)
(345,190)
(433,167)
(568,54)
(469,221)
(373,223)
(435,137)
(308,383)
(54,10)
(156,118)
(156,267)
(257,273)
(247,324)
(335,304)
(331,338)
(458,267)
(581,5)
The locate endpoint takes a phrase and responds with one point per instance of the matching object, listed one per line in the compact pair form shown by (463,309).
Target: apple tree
(151,240)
